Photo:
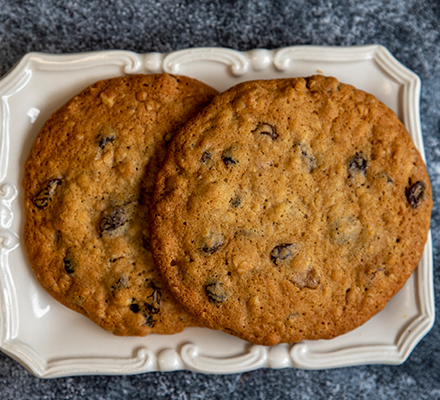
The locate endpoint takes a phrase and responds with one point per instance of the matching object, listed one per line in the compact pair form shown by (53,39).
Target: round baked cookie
(88,183)
(290,209)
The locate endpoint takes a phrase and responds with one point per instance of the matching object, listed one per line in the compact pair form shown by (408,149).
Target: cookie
(87,186)
(290,209)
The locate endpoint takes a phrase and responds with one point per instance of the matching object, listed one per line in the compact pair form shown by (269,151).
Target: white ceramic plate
(52,341)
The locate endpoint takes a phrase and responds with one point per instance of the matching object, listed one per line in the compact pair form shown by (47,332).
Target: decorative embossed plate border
(52,341)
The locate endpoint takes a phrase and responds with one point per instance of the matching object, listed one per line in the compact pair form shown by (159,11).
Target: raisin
(213,243)
(149,321)
(104,140)
(216,292)
(69,264)
(121,283)
(306,158)
(212,249)
(415,193)
(357,164)
(152,306)
(235,201)
(228,159)
(283,251)
(134,308)
(112,220)
(45,195)
(266,129)
(154,300)
(206,156)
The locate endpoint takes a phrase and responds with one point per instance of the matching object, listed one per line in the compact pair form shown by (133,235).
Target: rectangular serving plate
(52,341)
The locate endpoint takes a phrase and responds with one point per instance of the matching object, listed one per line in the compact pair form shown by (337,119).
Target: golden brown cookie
(290,209)
(88,183)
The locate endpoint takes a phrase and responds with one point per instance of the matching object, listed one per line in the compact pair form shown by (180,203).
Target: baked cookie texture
(290,209)
(88,182)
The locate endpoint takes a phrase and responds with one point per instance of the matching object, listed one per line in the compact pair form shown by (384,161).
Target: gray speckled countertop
(409,29)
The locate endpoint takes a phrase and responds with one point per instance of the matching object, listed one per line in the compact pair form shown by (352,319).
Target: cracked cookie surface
(290,209)
(88,184)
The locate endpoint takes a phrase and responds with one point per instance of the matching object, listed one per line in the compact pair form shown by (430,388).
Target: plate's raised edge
(168,359)
(8,242)
(142,361)
(410,99)
(259,59)
(239,63)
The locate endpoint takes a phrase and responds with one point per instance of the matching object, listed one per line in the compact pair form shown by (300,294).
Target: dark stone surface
(409,29)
